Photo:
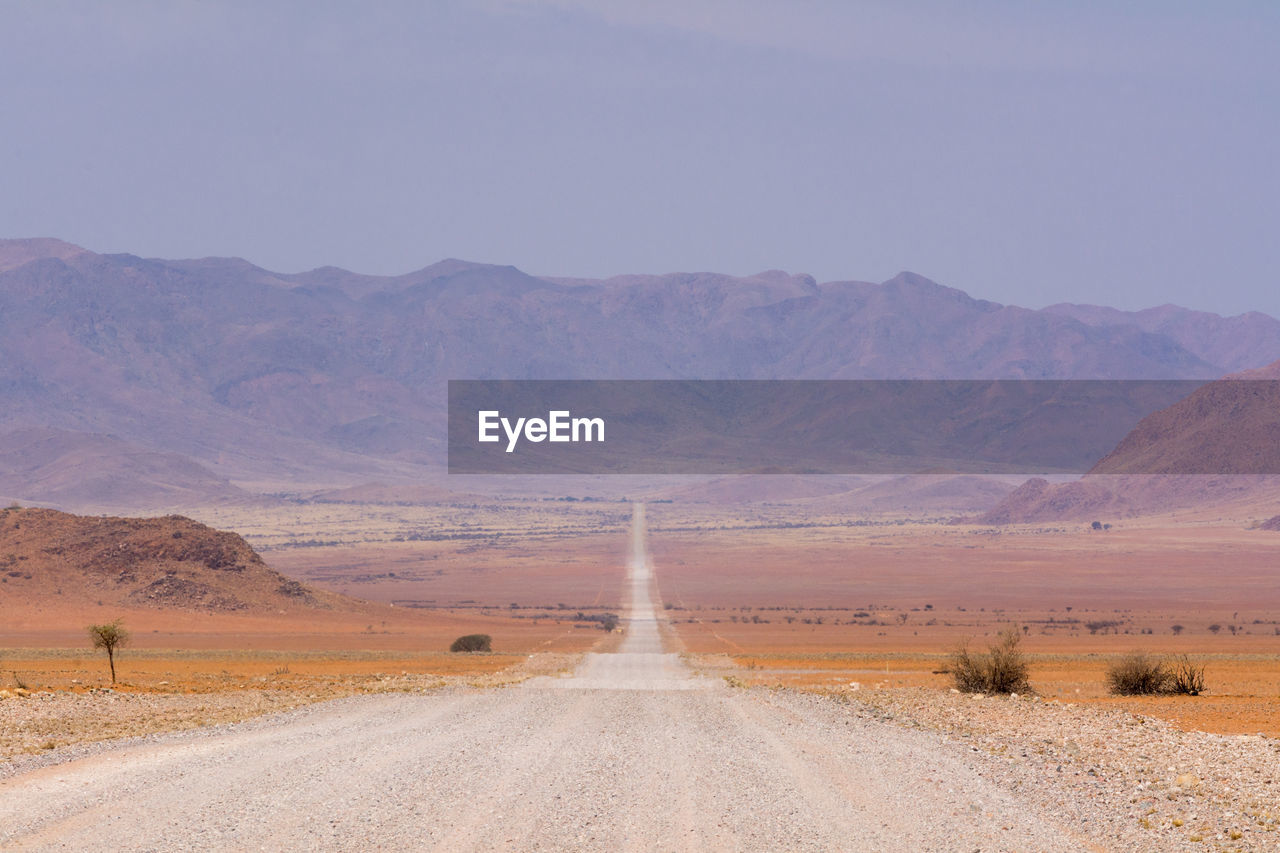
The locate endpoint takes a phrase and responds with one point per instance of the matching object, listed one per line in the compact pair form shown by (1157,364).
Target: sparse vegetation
(109,637)
(1186,678)
(1001,669)
(607,621)
(1140,674)
(472,643)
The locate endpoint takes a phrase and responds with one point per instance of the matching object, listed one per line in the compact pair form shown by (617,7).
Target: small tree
(110,636)
(472,643)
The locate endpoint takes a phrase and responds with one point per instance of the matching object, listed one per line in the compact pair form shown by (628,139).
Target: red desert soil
(1194,573)
(884,606)
(177,583)
(579,571)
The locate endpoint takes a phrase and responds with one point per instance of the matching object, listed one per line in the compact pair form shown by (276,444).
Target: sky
(1118,153)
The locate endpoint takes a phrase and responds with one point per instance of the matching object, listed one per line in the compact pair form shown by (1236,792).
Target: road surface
(631,752)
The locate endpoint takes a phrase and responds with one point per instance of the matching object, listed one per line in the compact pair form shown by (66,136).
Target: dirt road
(631,752)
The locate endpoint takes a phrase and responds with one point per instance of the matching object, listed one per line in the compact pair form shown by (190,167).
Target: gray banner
(813,427)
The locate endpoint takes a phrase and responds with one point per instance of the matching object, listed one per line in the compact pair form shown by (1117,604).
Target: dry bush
(1138,674)
(1185,677)
(1001,669)
(472,643)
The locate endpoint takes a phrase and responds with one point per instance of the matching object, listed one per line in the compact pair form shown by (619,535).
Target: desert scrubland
(795,596)
(866,744)
(784,594)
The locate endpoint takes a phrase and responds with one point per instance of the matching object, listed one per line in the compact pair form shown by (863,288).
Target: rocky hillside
(1226,427)
(165,563)
(1220,445)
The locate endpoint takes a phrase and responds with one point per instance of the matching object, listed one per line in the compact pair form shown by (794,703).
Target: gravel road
(631,752)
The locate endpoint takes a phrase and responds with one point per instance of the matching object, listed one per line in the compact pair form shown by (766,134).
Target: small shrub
(1001,669)
(1138,674)
(1185,678)
(472,643)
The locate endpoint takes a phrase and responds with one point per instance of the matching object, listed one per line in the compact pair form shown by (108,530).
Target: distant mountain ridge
(100,471)
(1232,343)
(332,378)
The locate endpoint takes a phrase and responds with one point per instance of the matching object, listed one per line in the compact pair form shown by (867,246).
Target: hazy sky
(1026,152)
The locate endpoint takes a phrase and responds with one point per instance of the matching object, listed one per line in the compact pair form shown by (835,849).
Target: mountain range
(218,379)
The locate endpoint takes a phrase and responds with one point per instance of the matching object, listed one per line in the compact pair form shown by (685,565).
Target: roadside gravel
(1136,779)
(57,724)
(758,769)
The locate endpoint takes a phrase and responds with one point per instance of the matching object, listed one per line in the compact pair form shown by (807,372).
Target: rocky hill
(1226,427)
(1220,445)
(163,563)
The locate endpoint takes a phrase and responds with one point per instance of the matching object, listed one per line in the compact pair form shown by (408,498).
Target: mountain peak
(908,282)
(18,252)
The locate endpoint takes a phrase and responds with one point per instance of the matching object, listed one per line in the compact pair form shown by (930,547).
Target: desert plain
(761,598)
(782,594)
